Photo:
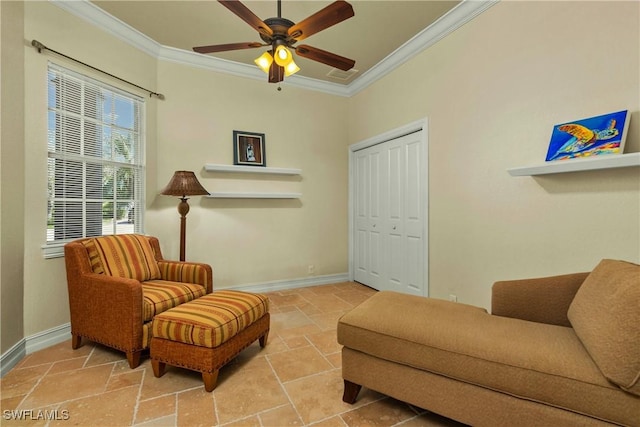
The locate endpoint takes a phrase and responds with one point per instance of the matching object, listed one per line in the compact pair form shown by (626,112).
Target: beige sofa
(557,351)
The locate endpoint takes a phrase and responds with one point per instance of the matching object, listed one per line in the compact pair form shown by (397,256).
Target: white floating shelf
(209,167)
(610,161)
(245,195)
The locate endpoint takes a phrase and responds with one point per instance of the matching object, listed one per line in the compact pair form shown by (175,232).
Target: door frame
(418,125)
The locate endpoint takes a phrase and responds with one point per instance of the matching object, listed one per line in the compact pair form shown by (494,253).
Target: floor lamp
(183,184)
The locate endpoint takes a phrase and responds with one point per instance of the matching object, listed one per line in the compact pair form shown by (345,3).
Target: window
(96,159)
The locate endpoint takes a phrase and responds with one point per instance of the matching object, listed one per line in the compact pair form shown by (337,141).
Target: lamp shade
(182,184)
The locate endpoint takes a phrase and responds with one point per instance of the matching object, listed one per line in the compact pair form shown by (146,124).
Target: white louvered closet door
(389,215)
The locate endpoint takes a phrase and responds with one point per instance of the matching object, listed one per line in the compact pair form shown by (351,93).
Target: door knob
(394,227)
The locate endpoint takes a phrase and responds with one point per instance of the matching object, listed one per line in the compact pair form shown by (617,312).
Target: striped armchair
(117,284)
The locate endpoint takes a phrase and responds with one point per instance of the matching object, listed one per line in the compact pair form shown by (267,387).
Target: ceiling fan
(282,34)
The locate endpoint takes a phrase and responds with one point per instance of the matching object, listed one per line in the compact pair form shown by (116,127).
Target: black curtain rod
(40,47)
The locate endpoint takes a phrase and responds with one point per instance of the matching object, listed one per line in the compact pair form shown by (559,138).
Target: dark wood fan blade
(334,13)
(325,57)
(247,16)
(276,73)
(225,47)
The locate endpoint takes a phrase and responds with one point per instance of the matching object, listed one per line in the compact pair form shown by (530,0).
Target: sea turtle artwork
(588,137)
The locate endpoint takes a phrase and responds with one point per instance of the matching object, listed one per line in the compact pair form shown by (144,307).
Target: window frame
(93,161)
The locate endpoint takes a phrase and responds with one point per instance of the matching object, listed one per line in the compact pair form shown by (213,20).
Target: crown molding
(464,12)
(97,17)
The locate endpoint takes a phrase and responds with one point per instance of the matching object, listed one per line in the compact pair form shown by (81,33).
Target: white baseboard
(48,338)
(12,357)
(53,336)
(32,343)
(279,285)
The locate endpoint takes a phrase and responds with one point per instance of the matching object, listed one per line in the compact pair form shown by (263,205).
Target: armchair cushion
(605,315)
(123,255)
(161,295)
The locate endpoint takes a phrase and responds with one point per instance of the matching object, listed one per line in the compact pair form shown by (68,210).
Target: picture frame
(248,148)
(593,136)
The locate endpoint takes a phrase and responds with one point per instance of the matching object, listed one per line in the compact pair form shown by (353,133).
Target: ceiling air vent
(342,75)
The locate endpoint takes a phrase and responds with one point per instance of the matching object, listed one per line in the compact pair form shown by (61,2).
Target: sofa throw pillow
(94,256)
(605,315)
(127,255)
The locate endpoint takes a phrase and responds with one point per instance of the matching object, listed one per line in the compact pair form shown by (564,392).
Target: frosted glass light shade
(291,68)
(283,56)
(264,62)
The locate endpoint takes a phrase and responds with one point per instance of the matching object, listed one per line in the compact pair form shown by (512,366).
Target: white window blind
(96,158)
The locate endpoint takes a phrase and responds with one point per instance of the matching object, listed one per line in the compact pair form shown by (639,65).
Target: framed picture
(248,148)
(593,136)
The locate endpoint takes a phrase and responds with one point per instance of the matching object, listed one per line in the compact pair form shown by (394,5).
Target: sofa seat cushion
(212,320)
(605,314)
(161,295)
(538,362)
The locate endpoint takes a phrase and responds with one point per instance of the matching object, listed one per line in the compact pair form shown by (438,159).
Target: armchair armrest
(187,272)
(107,309)
(543,300)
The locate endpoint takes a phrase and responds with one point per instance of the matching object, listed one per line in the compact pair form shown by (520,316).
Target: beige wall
(12,187)
(252,241)
(492,92)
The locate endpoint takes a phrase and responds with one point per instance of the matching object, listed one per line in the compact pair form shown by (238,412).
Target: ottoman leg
(210,379)
(351,391)
(158,368)
(263,339)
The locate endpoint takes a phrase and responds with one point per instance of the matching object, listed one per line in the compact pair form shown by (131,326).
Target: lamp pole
(183,210)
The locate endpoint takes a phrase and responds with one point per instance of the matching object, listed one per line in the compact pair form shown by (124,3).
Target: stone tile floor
(294,381)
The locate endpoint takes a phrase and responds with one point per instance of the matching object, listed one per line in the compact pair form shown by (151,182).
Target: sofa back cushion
(605,315)
(123,255)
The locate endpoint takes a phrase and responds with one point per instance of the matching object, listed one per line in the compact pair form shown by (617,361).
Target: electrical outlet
(311,269)
(453,298)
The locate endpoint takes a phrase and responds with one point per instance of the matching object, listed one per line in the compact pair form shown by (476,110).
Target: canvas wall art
(594,136)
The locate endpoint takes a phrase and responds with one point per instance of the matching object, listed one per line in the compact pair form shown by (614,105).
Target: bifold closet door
(368,249)
(390,217)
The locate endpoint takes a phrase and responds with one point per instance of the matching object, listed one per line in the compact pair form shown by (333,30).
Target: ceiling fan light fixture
(283,56)
(291,68)
(264,61)
(281,34)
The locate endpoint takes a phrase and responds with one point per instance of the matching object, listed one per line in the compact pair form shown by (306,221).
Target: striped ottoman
(206,333)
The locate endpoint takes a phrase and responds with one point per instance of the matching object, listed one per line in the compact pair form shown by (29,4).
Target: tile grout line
(137,405)
(284,389)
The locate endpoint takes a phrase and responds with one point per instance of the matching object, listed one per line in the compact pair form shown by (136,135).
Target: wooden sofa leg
(134,358)
(76,341)
(210,379)
(351,391)
(158,368)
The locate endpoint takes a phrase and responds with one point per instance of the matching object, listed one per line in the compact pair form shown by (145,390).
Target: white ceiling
(377,29)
